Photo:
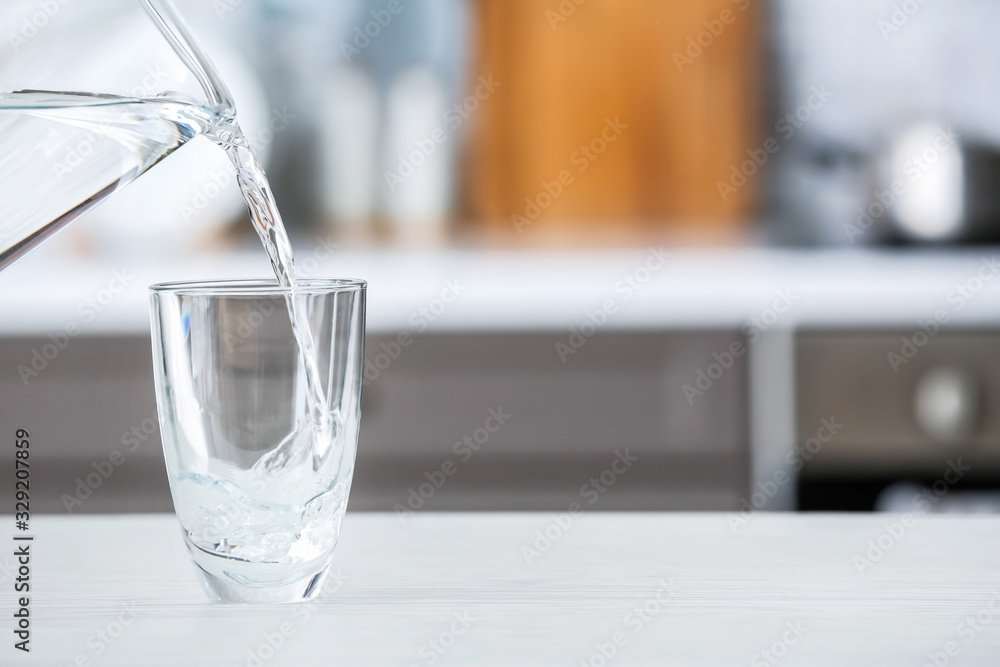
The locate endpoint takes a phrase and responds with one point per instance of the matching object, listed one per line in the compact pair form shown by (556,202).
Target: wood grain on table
(484,589)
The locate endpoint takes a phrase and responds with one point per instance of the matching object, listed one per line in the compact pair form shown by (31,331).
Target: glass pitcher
(92,95)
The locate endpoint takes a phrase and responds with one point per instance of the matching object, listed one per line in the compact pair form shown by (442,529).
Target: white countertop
(788,584)
(544,290)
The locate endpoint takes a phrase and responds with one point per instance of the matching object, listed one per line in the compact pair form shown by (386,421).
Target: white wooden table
(455,589)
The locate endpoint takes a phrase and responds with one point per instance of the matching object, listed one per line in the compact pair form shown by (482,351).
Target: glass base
(226,590)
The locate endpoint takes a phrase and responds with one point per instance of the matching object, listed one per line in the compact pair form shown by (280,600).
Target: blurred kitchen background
(744,243)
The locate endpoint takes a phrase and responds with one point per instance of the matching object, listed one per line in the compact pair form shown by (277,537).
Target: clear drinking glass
(259,487)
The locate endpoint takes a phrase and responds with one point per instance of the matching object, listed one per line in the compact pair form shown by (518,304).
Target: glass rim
(257,287)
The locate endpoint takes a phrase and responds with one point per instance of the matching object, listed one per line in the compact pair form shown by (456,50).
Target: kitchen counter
(542,290)
(490,589)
